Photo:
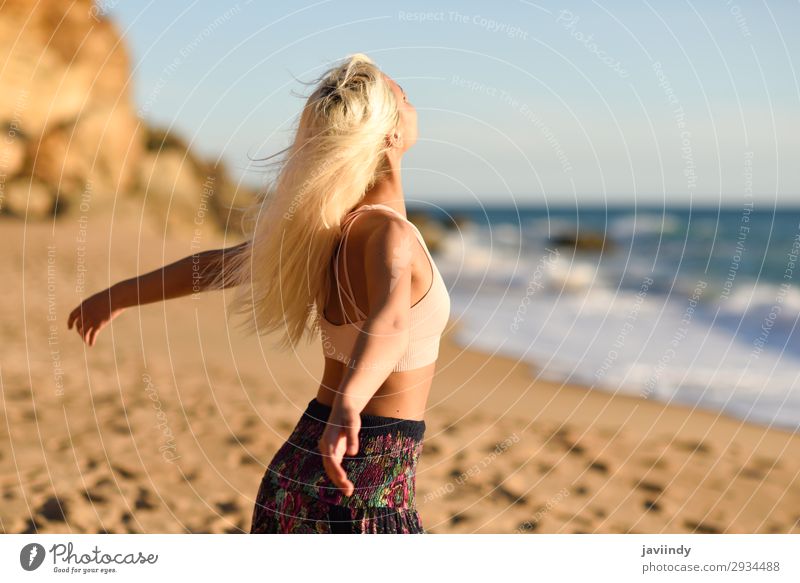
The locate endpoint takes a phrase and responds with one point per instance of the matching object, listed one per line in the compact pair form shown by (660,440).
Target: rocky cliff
(71,137)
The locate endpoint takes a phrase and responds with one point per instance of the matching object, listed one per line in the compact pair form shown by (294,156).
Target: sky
(526,103)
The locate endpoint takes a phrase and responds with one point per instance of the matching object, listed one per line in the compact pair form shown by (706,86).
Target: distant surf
(698,307)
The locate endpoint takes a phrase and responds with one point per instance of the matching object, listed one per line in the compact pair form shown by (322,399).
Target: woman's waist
(383,471)
(405,432)
(402,396)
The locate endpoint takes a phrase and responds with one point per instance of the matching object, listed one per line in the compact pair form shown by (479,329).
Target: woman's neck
(388,190)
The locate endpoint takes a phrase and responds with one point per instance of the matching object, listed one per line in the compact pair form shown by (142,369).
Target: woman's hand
(340,438)
(92,315)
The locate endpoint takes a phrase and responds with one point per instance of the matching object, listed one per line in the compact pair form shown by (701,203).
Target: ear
(395,140)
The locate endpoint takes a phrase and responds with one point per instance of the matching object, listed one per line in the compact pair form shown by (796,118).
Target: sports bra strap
(348,223)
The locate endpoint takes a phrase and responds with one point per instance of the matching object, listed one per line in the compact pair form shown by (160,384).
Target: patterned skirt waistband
(383,471)
(371,425)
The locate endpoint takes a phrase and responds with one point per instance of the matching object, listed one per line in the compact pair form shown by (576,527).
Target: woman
(337,208)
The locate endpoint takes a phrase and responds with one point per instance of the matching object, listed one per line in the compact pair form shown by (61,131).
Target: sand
(166,425)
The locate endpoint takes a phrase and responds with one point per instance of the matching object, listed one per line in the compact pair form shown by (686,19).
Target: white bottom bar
(401,557)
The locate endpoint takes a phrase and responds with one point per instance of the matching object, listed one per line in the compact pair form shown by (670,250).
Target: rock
(12,150)
(61,61)
(582,241)
(86,160)
(71,128)
(176,195)
(432,231)
(62,165)
(28,197)
(228,199)
(459,222)
(66,87)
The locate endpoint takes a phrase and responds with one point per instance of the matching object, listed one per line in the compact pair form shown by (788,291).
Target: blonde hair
(338,152)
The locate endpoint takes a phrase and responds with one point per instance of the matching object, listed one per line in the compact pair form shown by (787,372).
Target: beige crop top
(429,315)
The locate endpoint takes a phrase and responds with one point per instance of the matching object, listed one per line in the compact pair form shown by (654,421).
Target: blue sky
(519,102)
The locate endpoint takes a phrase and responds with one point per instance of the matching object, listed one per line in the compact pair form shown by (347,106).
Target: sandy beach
(166,425)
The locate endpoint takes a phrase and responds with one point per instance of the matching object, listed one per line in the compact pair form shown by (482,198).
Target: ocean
(697,306)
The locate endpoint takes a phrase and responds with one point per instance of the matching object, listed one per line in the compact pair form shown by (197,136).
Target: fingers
(86,330)
(337,475)
(76,320)
(93,334)
(332,455)
(352,440)
(79,326)
(90,333)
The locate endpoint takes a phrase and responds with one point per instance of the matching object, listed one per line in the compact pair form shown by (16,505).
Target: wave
(619,326)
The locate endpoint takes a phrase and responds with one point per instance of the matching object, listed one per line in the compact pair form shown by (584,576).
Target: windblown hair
(339,150)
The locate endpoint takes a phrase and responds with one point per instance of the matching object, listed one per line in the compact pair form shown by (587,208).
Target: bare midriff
(404,394)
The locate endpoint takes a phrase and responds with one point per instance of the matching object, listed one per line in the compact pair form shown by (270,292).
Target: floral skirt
(296,495)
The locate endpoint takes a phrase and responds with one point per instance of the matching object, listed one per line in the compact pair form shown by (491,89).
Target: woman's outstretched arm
(192,274)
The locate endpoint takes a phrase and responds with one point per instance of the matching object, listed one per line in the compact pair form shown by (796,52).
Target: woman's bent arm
(192,274)
(382,342)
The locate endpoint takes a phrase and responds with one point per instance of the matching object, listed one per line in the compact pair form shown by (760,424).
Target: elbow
(390,337)
(390,321)
(396,324)
(401,322)
(395,330)
(401,337)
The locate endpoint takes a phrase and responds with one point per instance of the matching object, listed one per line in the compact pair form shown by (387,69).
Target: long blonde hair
(338,152)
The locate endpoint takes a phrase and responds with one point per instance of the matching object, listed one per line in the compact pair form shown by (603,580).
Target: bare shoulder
(380,229)
(384,240)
